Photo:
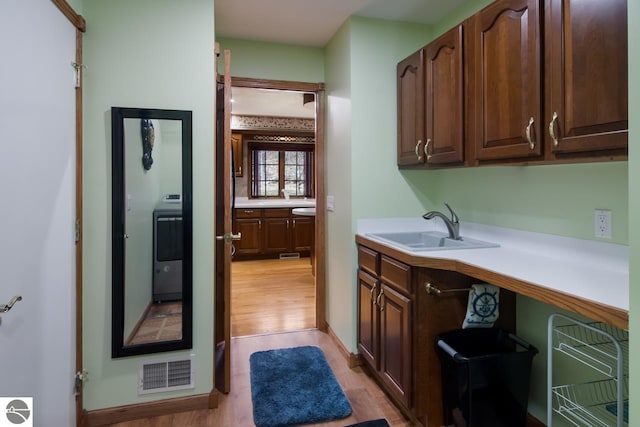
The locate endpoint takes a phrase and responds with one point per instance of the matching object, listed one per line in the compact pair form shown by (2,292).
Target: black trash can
(485,377)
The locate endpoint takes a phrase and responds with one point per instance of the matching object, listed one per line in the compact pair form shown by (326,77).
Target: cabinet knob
(552,129)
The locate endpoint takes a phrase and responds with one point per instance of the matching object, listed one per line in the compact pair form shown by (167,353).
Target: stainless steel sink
(430,241)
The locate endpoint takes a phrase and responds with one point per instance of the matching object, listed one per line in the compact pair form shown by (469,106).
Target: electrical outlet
(602,223)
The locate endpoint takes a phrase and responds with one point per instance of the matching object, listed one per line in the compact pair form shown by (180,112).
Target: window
(275,167)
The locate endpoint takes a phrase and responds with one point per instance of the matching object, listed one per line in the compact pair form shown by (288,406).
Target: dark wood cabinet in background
(269,232)
(277,230)
(248,223)
(238,153)
(302,233)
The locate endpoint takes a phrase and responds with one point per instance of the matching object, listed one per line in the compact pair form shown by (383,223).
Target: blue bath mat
(293,386)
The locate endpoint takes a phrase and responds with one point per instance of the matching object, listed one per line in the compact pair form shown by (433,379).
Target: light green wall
(634,206)
(338,166)
(272,61)
(154,54)
(555,199)
(76,5)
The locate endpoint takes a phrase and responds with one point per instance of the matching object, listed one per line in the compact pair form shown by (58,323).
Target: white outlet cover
(602,223)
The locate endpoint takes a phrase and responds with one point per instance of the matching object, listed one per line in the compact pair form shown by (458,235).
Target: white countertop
(244,202)
(304,211)
(591,270)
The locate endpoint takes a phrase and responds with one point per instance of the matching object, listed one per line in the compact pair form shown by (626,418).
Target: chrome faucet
(453,224)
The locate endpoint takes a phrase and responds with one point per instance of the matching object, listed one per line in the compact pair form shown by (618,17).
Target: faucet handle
(454,217)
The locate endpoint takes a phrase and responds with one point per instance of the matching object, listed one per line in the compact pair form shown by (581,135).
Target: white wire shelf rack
(603,348)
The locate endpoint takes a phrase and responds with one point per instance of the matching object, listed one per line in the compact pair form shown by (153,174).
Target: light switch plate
(330,205)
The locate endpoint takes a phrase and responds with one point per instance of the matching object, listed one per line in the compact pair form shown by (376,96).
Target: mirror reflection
(151,230)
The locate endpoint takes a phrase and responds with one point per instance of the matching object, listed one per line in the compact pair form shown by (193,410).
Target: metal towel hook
(6,307)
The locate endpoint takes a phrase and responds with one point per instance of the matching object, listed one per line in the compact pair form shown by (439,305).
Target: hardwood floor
(268,297)
(271,296)
(235,409)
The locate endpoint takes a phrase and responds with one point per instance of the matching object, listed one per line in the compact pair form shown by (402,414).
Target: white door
(37,211)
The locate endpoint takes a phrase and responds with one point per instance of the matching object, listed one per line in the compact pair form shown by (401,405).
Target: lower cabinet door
(395,343)
(368,335)
(251,231)
(276,235)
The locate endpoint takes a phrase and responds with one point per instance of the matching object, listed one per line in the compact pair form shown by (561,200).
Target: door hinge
(77,232)
(77,73)
(80,378)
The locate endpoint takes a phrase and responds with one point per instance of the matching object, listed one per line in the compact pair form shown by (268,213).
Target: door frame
(81,26)
(320,218)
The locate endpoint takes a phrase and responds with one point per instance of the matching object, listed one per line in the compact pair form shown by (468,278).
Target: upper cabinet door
(410,79)
(445,99)
(505,80)
(586,108)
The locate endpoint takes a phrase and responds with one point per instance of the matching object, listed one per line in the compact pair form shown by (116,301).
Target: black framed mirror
(152,224)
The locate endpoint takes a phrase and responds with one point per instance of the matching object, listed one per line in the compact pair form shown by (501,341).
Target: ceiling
(306,23)
(314,22)
(264,102)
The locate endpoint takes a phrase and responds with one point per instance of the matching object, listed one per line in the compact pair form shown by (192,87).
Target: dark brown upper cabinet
(431,103)
(586,69)
(519,82)
(505,81)
(444,61)
(410,81)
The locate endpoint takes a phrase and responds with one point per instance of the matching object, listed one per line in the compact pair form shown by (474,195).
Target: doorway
(224,200)
(276,280)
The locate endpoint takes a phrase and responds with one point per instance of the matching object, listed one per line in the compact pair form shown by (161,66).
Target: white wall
(37,184)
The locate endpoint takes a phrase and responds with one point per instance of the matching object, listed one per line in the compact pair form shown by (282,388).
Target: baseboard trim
(120,414)
(534,422)
(352,359)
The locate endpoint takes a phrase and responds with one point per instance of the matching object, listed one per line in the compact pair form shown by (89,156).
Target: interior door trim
(81,26)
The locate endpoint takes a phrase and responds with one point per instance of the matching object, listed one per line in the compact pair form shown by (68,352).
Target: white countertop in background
(244,202)
(592,270)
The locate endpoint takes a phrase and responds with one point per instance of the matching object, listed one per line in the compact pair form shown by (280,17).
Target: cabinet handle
(426,149)
(532,143)
(245,211)
(552,129)
(373,291)
(418,150)
(380,306)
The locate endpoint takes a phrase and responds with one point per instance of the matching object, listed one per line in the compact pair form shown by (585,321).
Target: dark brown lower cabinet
(398,322)
(269,232)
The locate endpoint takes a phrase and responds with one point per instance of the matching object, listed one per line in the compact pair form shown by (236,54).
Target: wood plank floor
(268,297)
(235,409)
(271,296)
